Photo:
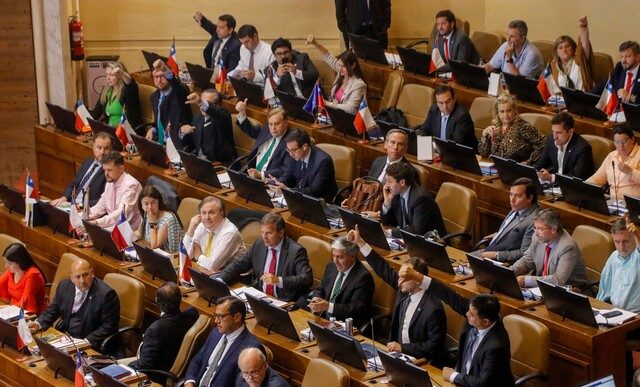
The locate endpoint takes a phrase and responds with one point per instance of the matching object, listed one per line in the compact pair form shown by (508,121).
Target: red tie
(272,270)
(446,49)
(547,251)
(627,85)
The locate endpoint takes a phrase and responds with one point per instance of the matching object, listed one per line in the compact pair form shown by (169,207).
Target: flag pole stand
(363,140)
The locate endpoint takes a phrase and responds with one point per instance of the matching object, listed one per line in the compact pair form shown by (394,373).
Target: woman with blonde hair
(119,94)
(510,136)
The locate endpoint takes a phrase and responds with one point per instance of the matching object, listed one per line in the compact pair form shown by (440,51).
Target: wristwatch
(153,225)
(509,60)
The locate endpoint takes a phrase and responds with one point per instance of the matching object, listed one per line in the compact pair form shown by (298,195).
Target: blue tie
(468,349)
(303,175)
(443,127)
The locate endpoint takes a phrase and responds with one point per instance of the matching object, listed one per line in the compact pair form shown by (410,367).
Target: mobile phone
(613,313)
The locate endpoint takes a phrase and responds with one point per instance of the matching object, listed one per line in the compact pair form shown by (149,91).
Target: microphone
(373,344)
(246,166)
(615,186)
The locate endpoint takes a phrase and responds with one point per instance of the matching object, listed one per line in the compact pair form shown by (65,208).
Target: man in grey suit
(514,235)
(553,255)
(452,42)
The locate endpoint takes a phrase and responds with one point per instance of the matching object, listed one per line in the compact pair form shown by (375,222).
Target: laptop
(415,61)
(9,334)
(434,253)
(583,104)
(97,126)
(632,115)
(248,90)
(309,209)
(101,240)
(458,156)
(582,194)
(368,49)
(293,105)
(150,151)
(61,363)
(208,288)
(339,346)
(495,277)
(567,304)
(156,264)
(343,122)
(12,199)
(272,317)
(510,170)
(607,381)
(64,119)
(201,76)
(57,219)
(151,57)
(104,380)
(633,208)
(469,75)
(402,373)
(525,89)
(370,229)
(250,189)
(200,170)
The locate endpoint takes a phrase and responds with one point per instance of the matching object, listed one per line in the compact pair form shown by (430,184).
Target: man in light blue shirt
(517,55)
(620,279)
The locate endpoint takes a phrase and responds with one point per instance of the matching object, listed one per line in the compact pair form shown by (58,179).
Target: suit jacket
(174,110)
(271,379)
(309,74)
(428,328)
(349,18)
(461,48)
(378,165)
(566,266)
(293,267)
(320,180)
(356,293)
(159,349)
(515,239)
(578,159)
(460,126)
(214,135)
(230,51)
(423,211)
(99,314)
(618,79)
(96,185)
(278,163)
(226,374)
(491,363)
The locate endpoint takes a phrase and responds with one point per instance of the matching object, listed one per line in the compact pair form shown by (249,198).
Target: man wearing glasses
(255,372)
(553,255)
(216,364)
(292,71)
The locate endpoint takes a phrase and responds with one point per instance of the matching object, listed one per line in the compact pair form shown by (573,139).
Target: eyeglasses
(252,374)
(293,150)
(281,53)
(541,229)
(621,142)
(220,316)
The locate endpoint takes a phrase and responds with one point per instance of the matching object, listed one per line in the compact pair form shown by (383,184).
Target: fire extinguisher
(76,38)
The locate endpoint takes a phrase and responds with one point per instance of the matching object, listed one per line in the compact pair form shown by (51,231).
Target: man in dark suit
(625,77)
(211,132)
(170,110)
(223,49)
(418,324)
(280,265)
(484,353)
(255,371)
(158,349)
(310,170)
(90,175)
(407,205)
(87,308)
(293,71)
(216,363)
(449,120)
(396,143)
(369,18)
(347,286)
(269,156)
(514,235)
(566,152)
(452,42)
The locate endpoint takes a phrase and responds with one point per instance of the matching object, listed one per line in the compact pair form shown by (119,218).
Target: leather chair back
(414,101)
(423,173)
(384,297)
(192,342)
(344,162)
(604,66)
(146,111)
(530,341)
(546,49)
(169,193)
(458,207)
(487,43)
(250,232)
(131,294)
(596,246)
(319,253)
(268,353)
(6,240)
(540,121)
(62,272)
(480,112)
(455,322)
(392,90)
(331,374)
(600,148)
(244,143)
(188,208)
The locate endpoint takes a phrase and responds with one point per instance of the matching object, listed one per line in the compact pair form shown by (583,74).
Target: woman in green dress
(119,94)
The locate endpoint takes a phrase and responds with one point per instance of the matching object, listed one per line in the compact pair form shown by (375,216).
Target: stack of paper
(613,321)
(9,312)
(241,292)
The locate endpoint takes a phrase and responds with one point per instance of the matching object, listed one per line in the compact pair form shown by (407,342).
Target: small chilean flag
(363,120)
(31,192)
(608,100)
(79,375)
(436,60)
(172,61)
(124,130)
(122,233)
(82,124)
(184,264)
(222,76)
(546,83)
(24,334)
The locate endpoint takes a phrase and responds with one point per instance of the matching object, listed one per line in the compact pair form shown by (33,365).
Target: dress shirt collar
(277,247)
(415,297)
(217,229)
(483,332)
(405,195)
(307,157)
(165,93)
(346,272)
(389,162)
(634,71)
(120,180)
(563,148)
(234,335)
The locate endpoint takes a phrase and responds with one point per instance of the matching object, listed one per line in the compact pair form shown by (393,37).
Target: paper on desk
(224,179)
(65,342)
(618,117)
(393,59)
(241,292)
(279,201)
(425,148)
(613,321)
(532,293)
(8,312)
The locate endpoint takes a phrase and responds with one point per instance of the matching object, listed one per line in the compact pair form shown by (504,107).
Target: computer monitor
(339,346)
(151,57)
(209,289)
(57,219)
(567,304)
(250,189)
(201,76)
(435,254)
(64,119)
(414,61)
(524,88)
(583,104)
(61,363)
(632,115)
(12,199)
(458,156)
(402,373)
(97,126)
(248,90)
(104,380)
(495,277)
(469,75)
(306,208)
(272,317)
(200,170)
(510,170)
(343,122)
(156,264)
(150,151)
(633,208)
(582,194)
(607,381)
(293,105)
(368,49)
(370,229)
(8,334)
(101,240)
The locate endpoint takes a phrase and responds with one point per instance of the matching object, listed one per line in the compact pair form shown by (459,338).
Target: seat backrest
(344,162)
(487,43)
(423,173)
(540,121)
(168,191)
(250,232)
(319,253)
(596,246)
(392,90)
(384,297)
(131,294)
(187,210)
(455,322)
(146,111)
(6,240)
(480,112)
(604,66)
(600,147)
(546,49)
(414,101)
(530,341)
(193,340)
(331,374)
(268,353)
(62,272)
(244,142)
(458,207)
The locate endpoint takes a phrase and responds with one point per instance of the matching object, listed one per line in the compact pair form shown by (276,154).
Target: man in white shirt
(255,55)
(211,239)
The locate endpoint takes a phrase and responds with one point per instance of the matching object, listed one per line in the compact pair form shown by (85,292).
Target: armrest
(108,339)
(417,42)
(591,286)
(465,235)
(342,194)
(535,375)
(235,164)
(482,243)
(161,373)
(366,325)
(141,129)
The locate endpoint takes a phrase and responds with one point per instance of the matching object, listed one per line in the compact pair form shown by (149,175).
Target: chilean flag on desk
(436,60)
(363,120)
(79,375)
(544,84)
(82,124)
(24,334)
(184,264)
(122,233)
(608,100)
(222,76)
(172,61)
(124,130)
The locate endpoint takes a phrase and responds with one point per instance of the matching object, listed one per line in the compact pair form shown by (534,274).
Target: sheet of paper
(241,292)
(494,84)
(8,312)
(425,148)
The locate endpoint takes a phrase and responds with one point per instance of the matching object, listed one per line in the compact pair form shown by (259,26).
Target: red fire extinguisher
(76,38)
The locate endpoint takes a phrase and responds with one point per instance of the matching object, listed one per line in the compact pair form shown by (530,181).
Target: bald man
(255,372)
(87,308)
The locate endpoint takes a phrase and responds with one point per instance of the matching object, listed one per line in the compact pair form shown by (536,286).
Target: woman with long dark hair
(22,283)
(160,227)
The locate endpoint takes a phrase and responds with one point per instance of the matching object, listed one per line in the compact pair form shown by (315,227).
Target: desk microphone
(246,166)
(615,186)
(373,344)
